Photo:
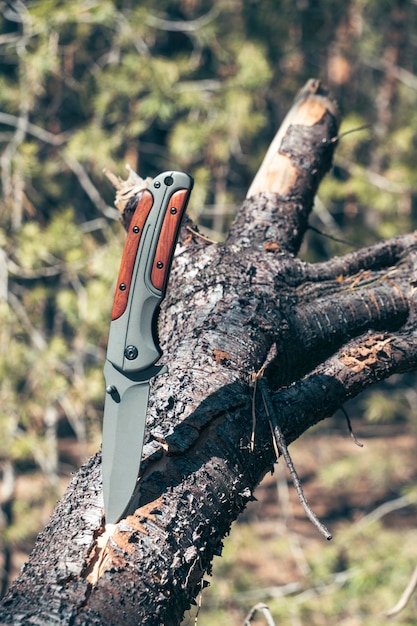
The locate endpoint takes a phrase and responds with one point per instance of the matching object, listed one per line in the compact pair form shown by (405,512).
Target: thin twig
(182,26)
(89,188)
(283,494)
(199,602)
(374,178)
(402,75)
(345,242)
(252,437)
(24,272)
(405,598)
(385,509)
(283,449)
(351,130)
(73,164)
(11,170)
(272,352)
(352,434)
(36,337)
(196,233)
(36,131)
(261,608)
(297,589)
(4,277)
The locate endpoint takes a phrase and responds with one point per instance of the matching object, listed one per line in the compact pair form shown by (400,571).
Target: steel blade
(123,433)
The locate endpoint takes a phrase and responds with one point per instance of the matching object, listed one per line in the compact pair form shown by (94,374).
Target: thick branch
(275,216)
(228,307)
(323,317)
(362,362)
(382,255)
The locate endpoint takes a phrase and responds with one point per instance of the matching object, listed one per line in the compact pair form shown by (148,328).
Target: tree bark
(320,333)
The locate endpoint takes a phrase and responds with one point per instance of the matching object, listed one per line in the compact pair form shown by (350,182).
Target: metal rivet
(159,265)
(157,184)
(112,391)
(135,229)
(131,352)
(122,286)
(173,210)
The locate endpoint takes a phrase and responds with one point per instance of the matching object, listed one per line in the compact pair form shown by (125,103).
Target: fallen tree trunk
(320,334)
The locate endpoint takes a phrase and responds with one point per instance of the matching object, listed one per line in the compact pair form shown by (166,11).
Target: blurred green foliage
(274,556)
(189,84)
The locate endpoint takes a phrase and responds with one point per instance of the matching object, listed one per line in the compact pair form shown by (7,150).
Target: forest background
(201,86)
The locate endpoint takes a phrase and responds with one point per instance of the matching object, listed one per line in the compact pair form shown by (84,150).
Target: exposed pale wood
(126,188)
(278,173)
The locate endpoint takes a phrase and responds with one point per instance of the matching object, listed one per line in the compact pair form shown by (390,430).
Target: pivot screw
(131,352)
(168,180)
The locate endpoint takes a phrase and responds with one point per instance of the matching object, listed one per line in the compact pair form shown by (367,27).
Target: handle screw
(122,286)
(131,352)
(173,210)
(159,265)
(135,229)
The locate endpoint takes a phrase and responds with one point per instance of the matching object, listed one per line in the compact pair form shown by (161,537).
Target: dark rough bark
(325,332)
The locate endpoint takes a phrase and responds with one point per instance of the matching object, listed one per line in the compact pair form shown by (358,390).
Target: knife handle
(124,279)
(144,271)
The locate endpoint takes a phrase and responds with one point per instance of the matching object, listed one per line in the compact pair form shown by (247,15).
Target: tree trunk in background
(319,333)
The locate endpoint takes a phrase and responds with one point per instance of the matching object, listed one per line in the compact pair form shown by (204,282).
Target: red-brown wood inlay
(127,264)
(167,239)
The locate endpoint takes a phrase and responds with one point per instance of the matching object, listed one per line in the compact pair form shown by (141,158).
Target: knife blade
(133,347)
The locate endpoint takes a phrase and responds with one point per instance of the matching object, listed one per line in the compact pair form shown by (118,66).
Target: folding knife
(133,347)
